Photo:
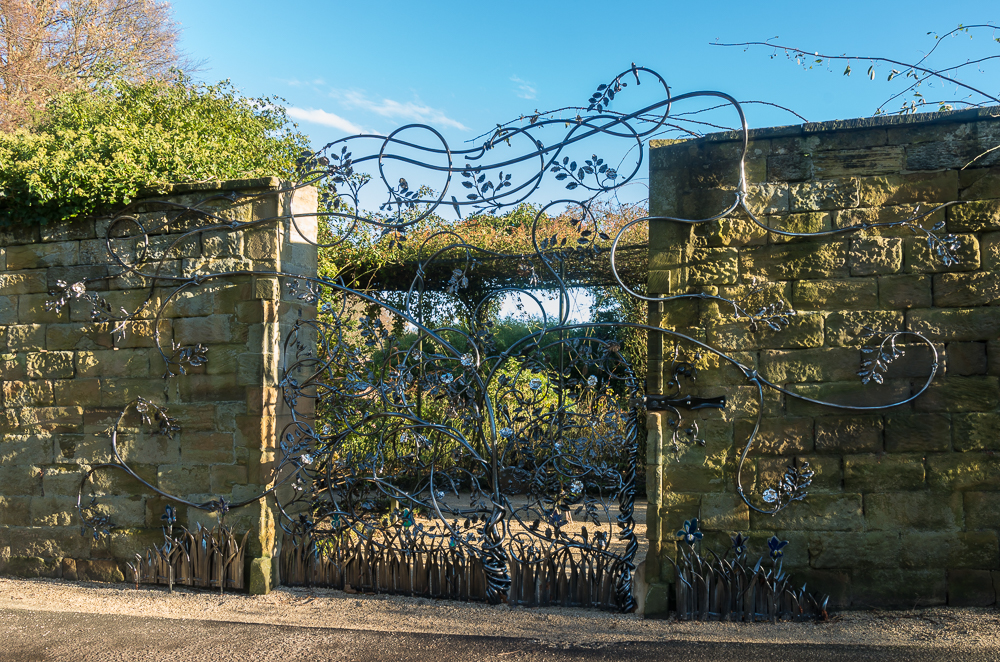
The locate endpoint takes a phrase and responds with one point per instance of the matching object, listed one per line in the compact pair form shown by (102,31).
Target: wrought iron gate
(427,458)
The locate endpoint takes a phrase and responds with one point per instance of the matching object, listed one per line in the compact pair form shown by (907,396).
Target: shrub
(96,149)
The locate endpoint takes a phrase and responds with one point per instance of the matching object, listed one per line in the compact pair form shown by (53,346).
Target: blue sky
(465,66)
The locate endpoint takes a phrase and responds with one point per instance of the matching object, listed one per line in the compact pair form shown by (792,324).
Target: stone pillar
(66,379)
(903,507)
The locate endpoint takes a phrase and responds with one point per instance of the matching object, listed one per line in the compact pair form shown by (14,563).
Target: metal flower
(535,384)
(467,360)
(592,381)
(506,433)
(739,543)
(689,533)
(776,546)
(770,495)
(169,516)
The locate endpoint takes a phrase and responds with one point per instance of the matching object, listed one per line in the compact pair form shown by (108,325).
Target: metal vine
(450,465)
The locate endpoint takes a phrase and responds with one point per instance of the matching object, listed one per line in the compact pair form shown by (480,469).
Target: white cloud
(319,116)
(409,110)
(525,90)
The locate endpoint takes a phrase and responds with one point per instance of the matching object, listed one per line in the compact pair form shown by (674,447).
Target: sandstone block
(919,257)
(939,549)
(953,324)
(966,358)
(898,589)
(902,292)
(877,549)
(976,432)
(883,473)
(824,195)
(849,434)
(833,294)
(820,364)
(966,290)
(960,394)
(805,260)
(918,510)
(960,472)
(778,436)
(820,512)
(970,588)
(876,255)
(917,432)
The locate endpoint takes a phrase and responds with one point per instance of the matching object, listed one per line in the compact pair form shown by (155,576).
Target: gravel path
(965,628)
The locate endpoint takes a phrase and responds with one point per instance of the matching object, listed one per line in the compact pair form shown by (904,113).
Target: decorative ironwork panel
(424,458)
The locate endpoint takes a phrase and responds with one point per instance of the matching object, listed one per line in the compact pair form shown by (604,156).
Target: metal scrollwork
(445,462)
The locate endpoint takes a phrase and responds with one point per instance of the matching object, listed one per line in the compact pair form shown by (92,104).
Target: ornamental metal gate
(425,453)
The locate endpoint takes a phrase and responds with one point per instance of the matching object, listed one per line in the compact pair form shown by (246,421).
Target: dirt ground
(323,608)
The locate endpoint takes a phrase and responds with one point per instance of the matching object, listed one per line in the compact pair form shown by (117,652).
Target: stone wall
(905,505)
(65,379)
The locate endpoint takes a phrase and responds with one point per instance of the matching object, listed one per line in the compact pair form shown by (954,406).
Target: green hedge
(96,149)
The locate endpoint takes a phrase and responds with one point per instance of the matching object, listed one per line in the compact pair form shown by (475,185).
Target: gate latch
(662,402)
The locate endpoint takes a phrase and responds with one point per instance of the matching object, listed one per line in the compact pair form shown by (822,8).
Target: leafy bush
(96,149)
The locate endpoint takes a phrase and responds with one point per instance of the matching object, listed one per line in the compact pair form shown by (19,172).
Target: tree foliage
(52,46)
(98,148)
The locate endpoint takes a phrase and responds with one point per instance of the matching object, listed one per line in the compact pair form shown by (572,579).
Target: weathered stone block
(820,512)
(899,589)
(49,365)
(902,292)
(36,256)
(919,510)
(878,549)
(789,167)
(34,393)
(976,432)
(919,257)
(917,432)
(876,255)
(24,282)
(724,512)
(955,324)
(895,189)
(183,479)
(849,434)
(960,394)
(982,510)
(207,330)
(206,447)
(846,327)
(778,436)
(15,511)
(700,469)
(966,290)
(804,330)
(966,358)
(970,588)
(833,294)
(8,310)
(963,472)
(802,223)
(844,393)
(824,195)
(805,260)
(25,338)
(974,216)
(883,473)
(810,365)
(33,566)
(941,549)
